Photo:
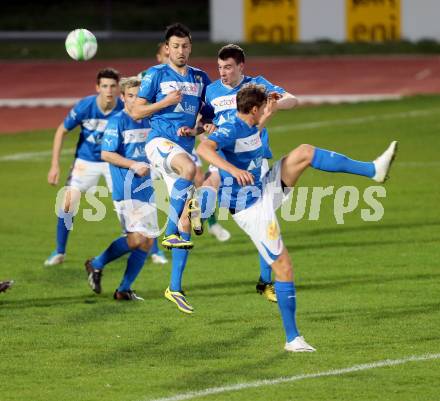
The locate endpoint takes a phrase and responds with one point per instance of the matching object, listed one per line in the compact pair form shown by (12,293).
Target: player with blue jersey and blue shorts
(253,200)
(123,146)
(171,95)
(91,114)
(221,97)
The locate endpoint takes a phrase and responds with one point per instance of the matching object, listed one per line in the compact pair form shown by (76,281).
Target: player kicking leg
(253,200)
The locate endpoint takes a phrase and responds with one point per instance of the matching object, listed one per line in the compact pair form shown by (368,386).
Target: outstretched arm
(287,101)
(207,150)
(142,108)
(140,168)
(54,173)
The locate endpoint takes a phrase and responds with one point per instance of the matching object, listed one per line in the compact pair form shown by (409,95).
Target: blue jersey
(93,121)
(241,146)
(161,80)
(127,137)
(222,100)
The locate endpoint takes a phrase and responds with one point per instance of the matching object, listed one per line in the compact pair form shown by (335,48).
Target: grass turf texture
(366,291)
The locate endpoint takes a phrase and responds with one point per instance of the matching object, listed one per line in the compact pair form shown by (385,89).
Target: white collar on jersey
(232,87)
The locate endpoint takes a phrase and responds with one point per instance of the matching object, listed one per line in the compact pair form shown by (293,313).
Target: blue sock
(265,271)
(286,297)
(179,195)
(207,200)
(335,162)
(134,266)
(155,247)
(116,249)
(64,226)
(179,258)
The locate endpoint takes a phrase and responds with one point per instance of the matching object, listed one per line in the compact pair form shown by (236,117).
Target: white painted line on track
(310,99)
(39,102)
(290,379)
(423,74)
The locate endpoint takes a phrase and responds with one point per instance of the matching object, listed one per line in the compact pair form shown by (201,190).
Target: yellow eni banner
(271,20)
(373,20)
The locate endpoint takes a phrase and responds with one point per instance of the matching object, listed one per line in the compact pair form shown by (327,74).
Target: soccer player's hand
(243,177)
(185,131)
(209,128)
(173,97)
(53,175)
(140,168)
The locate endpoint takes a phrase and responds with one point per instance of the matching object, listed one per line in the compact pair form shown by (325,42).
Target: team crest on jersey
(168,144)
(273,231)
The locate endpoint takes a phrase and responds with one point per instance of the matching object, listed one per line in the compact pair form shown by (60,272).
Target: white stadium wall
(226,20)
(337,20)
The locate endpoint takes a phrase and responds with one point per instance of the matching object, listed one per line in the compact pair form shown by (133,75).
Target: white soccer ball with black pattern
(81,44)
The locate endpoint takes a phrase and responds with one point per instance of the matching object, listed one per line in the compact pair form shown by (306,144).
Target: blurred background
(321,50)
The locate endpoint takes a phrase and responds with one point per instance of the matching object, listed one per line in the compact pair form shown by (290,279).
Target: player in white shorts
(253,200)
(133,195)
(91,114)
(214,228)
(220,96)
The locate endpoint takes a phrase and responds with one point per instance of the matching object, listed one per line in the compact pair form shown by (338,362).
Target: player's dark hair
(231,51)
(159,47)
(251,95)
(108,73)
(179,30)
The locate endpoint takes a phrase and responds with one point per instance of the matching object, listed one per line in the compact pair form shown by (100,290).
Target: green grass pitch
(366,291)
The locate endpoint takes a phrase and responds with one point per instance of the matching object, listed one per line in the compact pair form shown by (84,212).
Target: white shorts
(85,174)
(212,169)
(160,152)
(264,167)
(196,159)
(260,222)
(138,217)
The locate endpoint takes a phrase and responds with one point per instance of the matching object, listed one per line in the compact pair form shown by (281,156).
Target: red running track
(302,76)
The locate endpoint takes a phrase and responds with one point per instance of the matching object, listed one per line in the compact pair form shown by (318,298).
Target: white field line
(290,379)
(292,127)
(29,156)
(354,98)
(354,121)
(310,99)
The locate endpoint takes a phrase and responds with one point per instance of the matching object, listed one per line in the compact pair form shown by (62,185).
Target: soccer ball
(81,44)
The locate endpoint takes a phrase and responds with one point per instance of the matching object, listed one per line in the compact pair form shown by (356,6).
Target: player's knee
(283,268)
(134,240)
(189,171)
(146,244)
(306,152)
